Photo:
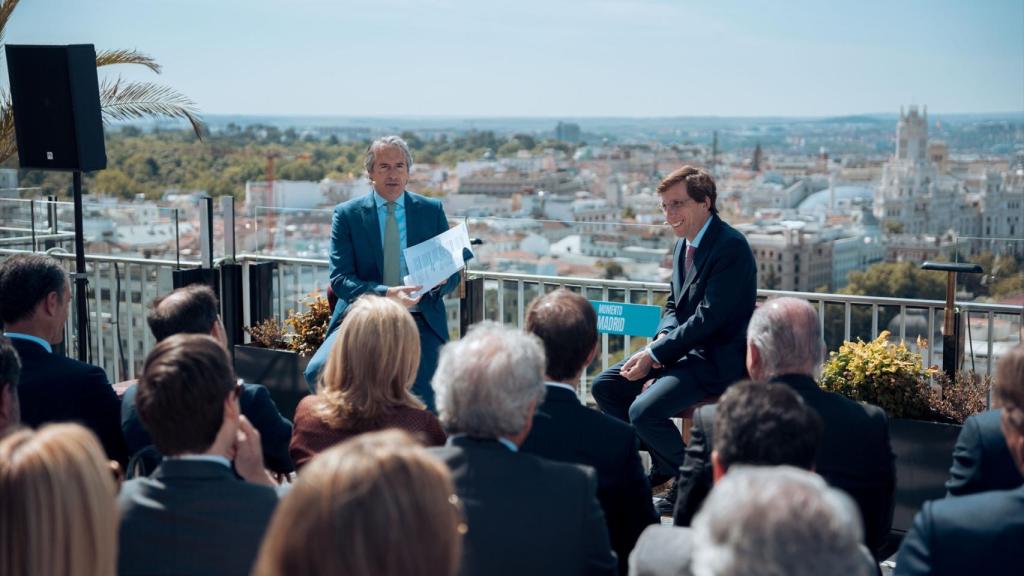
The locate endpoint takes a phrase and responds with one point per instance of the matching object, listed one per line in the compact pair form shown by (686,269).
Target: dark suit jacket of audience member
(567,431)
(55,388)
(981,460)
(974,534)
(854,456)
(526,515)
(313,435)
(192,517)
(256,405)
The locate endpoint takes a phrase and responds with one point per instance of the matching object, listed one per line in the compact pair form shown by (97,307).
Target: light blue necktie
(392,247)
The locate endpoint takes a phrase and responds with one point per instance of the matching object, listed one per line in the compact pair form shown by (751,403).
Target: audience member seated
(566,430)
(57,513)
(526,515)
(366,383)
(10,371)
(194,310)
(194,515)
(755,424)
(777,520)
(979,533)
(34,300)
(376,505)
(784,344)
(981,459)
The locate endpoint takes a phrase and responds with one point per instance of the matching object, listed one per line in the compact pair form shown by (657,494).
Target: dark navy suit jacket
(192,517)
(256,405)
(975,534)
(356,265)
(706,315)
(567,431)
(526,515)
(55,388)
(855,456)
(981,460)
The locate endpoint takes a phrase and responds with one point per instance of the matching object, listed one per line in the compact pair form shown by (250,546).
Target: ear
(717,469)
(753,361)
(232,410)
(52,303)
(592,355)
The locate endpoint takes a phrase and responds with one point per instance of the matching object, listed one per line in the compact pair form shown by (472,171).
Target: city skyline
(570,59)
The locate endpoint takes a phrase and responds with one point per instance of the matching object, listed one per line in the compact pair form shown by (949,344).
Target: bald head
(784,337)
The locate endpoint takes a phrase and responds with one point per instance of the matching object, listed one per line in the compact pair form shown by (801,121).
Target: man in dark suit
(978,533)
(368,236)
(756,424)
(194,515)
(784,344)
(10,372)
(526,515)
(194,310)
(981,460)
(34,300)
(699,347)
(567,431)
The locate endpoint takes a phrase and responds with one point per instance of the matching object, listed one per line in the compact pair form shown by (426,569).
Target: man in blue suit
(700,347)
(981,460)
(978,533)
(34,300)
(368,235)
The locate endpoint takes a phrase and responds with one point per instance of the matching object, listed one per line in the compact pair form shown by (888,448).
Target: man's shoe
(656,479)
(666,505)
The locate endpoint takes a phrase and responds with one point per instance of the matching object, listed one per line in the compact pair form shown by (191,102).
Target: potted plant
(926,409)
(276,356)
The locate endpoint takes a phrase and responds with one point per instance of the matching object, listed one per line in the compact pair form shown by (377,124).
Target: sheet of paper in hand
(431,262)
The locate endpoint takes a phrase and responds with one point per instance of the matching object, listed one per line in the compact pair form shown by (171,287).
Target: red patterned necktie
(688,261)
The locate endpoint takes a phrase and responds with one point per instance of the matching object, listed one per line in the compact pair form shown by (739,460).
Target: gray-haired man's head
(777,521)
(489,382)
(784,337)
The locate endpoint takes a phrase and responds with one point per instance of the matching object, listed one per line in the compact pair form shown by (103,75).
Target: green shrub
(891,377)
(309,328)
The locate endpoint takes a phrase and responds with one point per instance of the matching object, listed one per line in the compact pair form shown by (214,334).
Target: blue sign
(626,319)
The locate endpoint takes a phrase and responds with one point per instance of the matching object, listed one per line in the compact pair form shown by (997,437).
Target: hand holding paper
(432,262)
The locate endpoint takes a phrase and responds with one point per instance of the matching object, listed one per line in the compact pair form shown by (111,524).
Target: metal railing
(121,287)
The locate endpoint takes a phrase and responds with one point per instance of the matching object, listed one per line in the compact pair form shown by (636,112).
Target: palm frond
(111,57)
(8,144)
(6,8)
(134,100)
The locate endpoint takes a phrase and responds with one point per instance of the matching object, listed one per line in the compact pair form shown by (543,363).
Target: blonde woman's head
(57,510)
(378,505)
(372,364)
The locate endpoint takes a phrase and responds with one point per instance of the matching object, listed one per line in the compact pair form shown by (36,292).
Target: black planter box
(279,370)
(924,452)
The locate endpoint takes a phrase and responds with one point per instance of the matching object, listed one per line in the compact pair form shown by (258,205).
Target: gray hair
(386,141)
(777,521)
(486,382)
(787,334)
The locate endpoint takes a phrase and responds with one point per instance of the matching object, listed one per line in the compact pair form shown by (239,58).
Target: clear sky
(559,58)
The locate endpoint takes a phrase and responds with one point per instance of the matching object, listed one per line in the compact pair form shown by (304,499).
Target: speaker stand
(81,279)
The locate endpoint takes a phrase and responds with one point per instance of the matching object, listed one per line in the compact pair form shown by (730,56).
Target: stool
(687,414)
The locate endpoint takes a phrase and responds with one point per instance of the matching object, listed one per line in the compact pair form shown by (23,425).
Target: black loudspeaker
(56,99)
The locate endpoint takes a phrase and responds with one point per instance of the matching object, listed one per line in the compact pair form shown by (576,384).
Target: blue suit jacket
(191,517)
(707,311)
(976,534)
(356,264)
(981,460)
(256,405)
(565,430)
(55,388)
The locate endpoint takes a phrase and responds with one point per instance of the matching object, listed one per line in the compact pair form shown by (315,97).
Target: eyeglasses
(677,204)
